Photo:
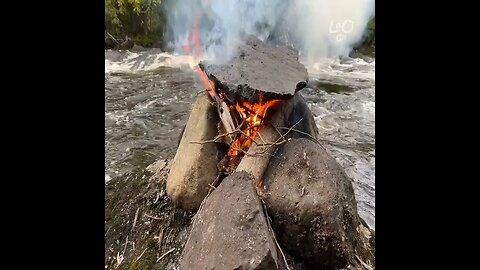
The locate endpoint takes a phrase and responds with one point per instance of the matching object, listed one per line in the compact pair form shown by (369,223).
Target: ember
(253,114)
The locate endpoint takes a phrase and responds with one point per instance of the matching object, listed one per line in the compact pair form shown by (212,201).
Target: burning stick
(222,107)
(226,118)
(256,164)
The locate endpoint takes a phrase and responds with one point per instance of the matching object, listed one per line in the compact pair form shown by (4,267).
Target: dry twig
(165,254)
(159,237)
(156,218)
(125,248)
(138,258)
(119,259)
(368,267)
(279,141)
(306,134)
(273,233)
(135,219)
(215,139)
(260,136)
(114,39)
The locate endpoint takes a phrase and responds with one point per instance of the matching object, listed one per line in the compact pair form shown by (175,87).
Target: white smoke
(317,28)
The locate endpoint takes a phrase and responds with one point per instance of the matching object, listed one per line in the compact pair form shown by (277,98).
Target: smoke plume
(317,28)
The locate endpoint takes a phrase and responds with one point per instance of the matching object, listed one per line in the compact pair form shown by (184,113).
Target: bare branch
(114,39)
(216,138)
(249,137)
(281,139)
(306,134)
(260,136)
(368,267)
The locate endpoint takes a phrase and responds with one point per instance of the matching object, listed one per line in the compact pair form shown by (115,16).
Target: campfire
(241,121)
(244,109)
(234,151)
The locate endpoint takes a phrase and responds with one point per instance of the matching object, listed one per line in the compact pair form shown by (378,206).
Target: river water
(148,97)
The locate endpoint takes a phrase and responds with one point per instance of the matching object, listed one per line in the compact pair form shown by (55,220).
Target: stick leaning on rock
(256,164)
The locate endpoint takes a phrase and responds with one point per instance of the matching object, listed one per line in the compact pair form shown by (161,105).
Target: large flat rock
(272,69)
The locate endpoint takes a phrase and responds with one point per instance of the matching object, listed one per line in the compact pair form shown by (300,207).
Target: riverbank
(143,230)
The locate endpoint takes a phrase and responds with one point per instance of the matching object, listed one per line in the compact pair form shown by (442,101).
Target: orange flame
(253,115)
(260,183)
(209,85)
(194,38)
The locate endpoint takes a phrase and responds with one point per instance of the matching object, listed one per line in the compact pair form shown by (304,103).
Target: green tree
(141,20)
(371,32)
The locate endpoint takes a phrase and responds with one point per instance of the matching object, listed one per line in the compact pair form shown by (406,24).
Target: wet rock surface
(126,45)
(137,48)
(230,231)
(301,119)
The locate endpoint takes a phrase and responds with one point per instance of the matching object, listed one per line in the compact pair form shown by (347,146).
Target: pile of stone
(290,206)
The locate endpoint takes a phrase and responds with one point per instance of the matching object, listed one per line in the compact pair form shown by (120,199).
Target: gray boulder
(313,208)
(231,231)
(194,167)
